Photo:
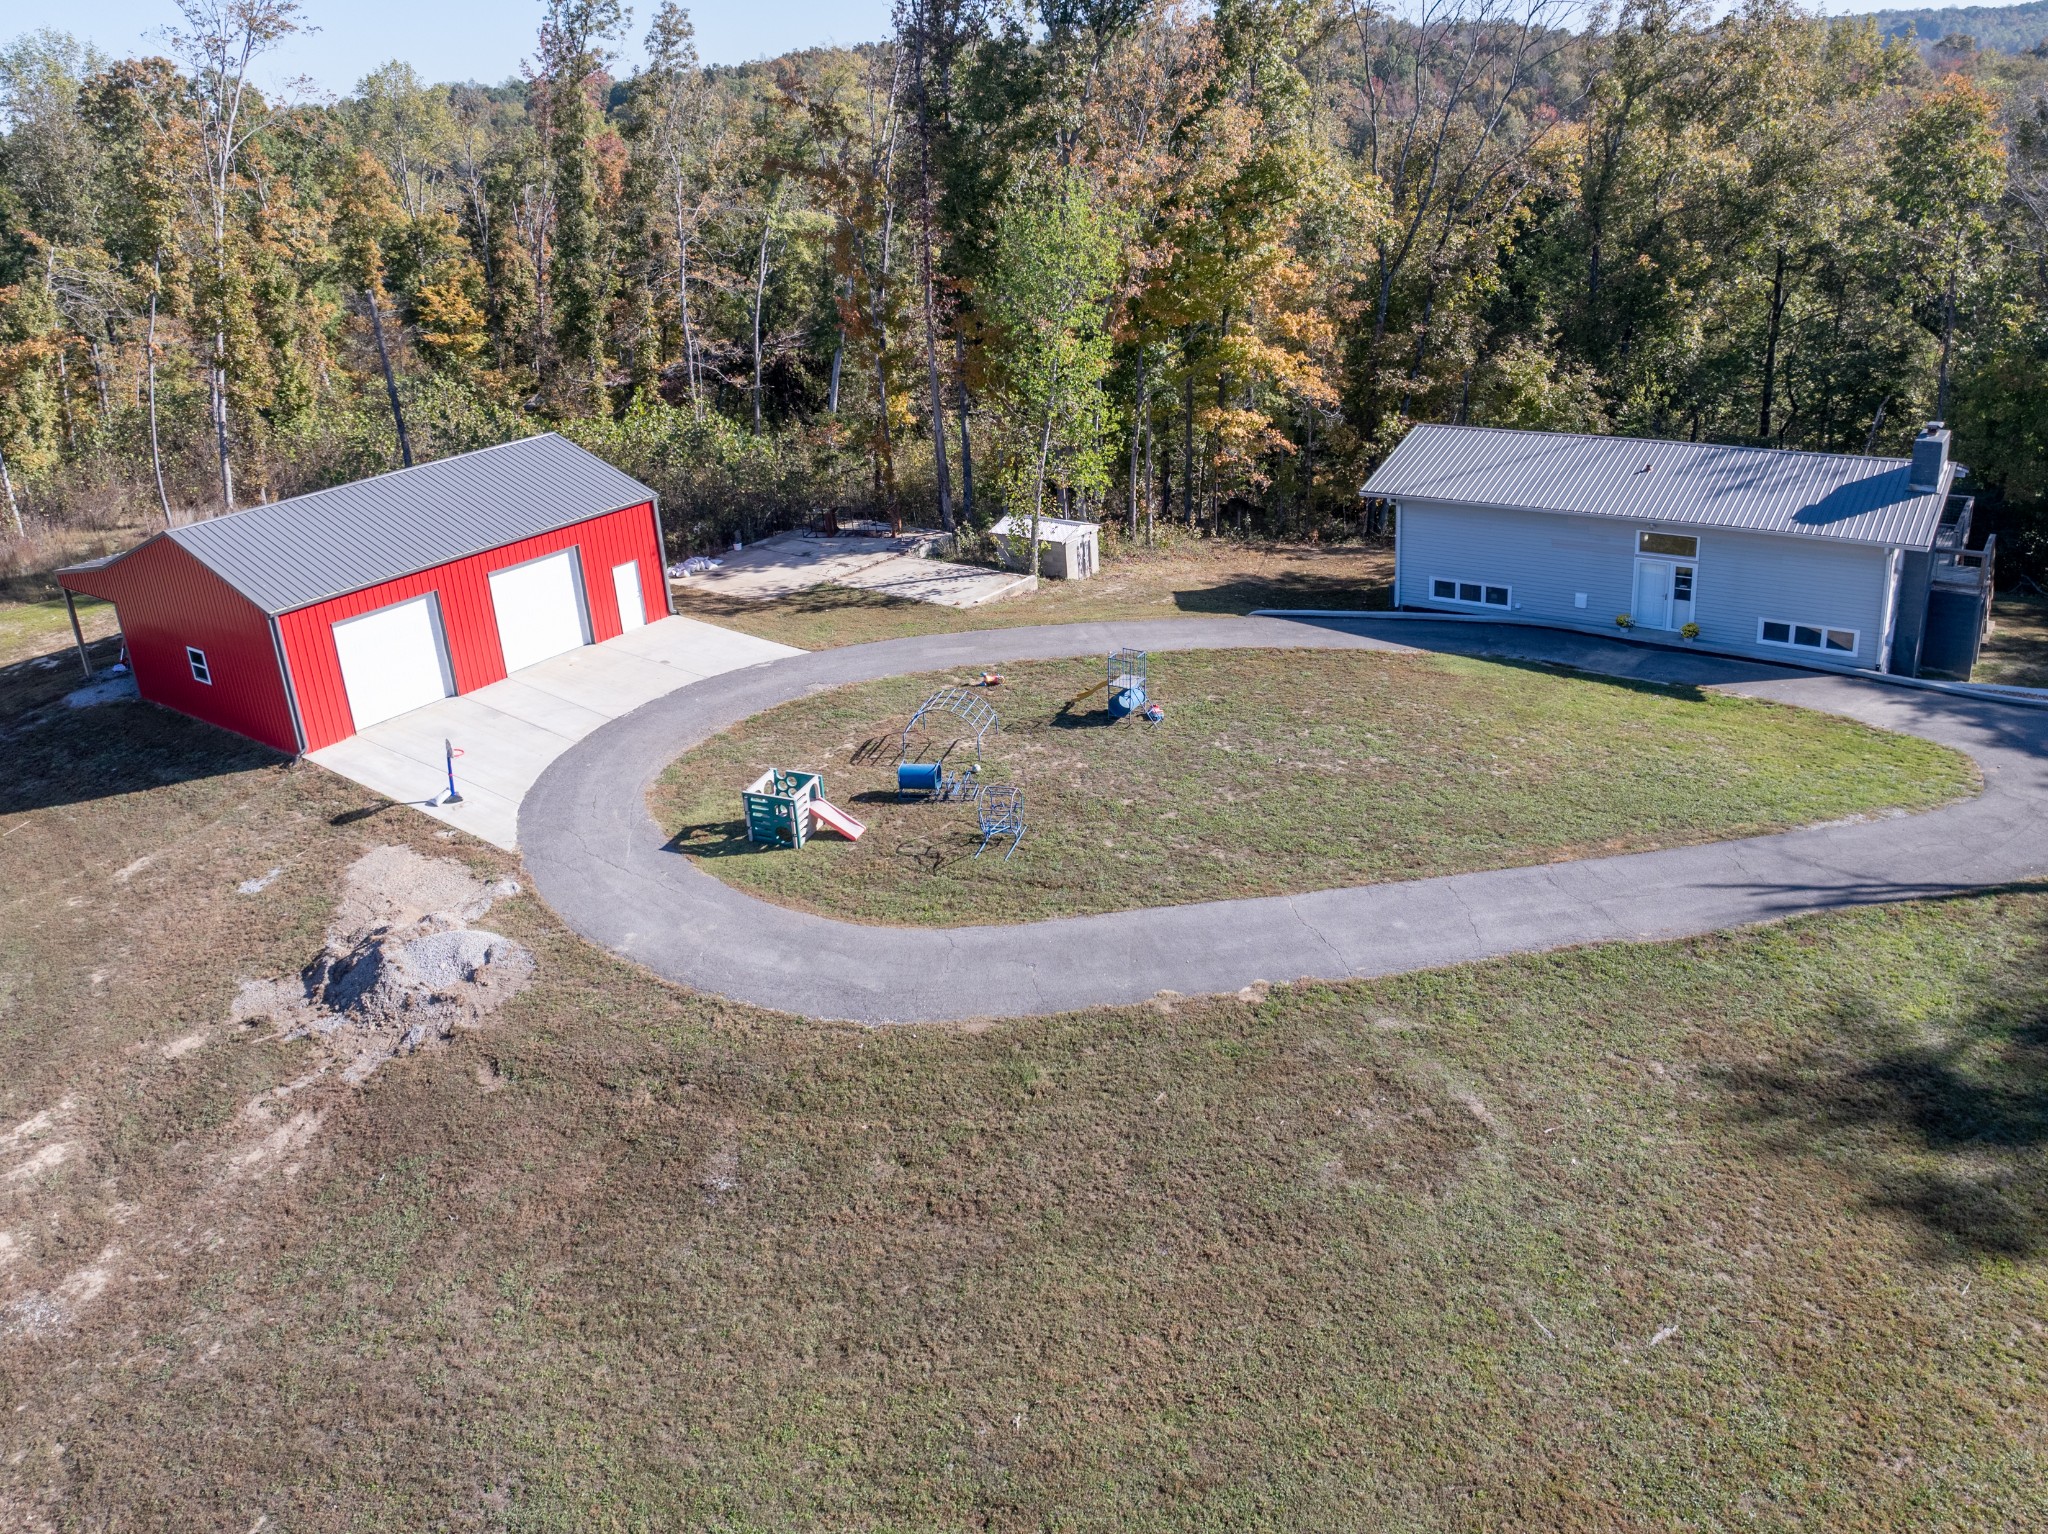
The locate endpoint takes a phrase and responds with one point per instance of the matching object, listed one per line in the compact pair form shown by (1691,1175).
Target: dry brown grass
(1748,1230)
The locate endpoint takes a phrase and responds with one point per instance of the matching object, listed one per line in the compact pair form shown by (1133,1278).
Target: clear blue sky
(485,39)
(456,39)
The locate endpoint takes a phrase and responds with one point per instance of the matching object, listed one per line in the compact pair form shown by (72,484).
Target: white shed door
(632,606)
(391,660)
(540,609)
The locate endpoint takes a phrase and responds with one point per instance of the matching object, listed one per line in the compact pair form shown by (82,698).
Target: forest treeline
(1154,262)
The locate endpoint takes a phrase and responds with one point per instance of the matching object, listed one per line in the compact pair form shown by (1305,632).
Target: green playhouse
(779,806)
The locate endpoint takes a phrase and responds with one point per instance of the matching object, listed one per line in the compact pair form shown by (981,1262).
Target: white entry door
(540,609)
(632,606)
(392,660)
(1664,591)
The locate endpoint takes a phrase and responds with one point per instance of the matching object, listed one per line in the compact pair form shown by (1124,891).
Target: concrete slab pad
(790,562)
(511,731)
(938,581)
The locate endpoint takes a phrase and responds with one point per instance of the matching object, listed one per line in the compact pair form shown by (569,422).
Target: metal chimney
(1930,457)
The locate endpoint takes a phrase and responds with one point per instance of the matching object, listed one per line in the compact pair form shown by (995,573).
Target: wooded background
(1163,264)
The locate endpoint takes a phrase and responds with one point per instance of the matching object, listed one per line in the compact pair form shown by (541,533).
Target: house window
(196,659)
(1806,636)
(1470,593)
(1670,545)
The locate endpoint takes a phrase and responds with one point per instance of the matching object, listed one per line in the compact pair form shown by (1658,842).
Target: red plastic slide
(828,814)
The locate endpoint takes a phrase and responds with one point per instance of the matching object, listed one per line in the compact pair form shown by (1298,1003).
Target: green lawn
(1744,1232)
(1184,580)
(1279,772)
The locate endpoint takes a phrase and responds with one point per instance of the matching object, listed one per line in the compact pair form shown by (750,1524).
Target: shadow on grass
(1683,692)
(78,756)
(1250,592)
(361,813)
(716,839)
(40,680)
(1947,1128)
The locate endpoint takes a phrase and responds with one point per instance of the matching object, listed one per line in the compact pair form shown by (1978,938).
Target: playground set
(1127,686)
(789,807)
(786,808)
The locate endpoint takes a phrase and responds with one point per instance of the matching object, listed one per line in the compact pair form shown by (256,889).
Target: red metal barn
(300,622)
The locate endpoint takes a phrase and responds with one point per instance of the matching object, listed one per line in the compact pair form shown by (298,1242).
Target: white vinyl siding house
(1781,555)
(1548,561)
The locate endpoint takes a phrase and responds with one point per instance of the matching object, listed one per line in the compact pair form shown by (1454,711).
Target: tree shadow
(1247,593)
(1947,1127)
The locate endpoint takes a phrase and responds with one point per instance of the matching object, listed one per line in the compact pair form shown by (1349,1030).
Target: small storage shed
(1069,549)
(300,622)
(1844,559)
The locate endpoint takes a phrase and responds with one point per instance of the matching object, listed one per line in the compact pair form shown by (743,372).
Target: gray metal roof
(1839,496)
(311,547)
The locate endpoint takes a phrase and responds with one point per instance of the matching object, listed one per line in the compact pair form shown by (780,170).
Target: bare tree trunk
(931,328)
(838,358)
(1948,336)
(1044,452)
(156,454)
(683,303)
(1137,409)
(13,506)
(99,378)
(217,382)
(761,288)
(966,442)
(1770,402)
(64,397)
(1145,420)
(1187,448)
(390,383)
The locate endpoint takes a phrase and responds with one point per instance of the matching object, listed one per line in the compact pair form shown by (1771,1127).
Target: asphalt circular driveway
(600,861)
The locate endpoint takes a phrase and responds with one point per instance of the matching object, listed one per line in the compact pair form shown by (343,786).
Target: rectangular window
(196,659)
(1676,545)
(1471,593)
(1807,636)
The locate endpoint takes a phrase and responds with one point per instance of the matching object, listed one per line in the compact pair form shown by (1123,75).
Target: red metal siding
(167,600)
(467,618)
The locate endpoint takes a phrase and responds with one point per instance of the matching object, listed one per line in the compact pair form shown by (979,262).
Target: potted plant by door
(1624,621)
(1689,633)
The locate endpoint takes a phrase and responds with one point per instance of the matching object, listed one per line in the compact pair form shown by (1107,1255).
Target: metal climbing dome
(974,712)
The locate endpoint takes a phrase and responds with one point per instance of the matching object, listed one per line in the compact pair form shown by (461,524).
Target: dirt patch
(402,968)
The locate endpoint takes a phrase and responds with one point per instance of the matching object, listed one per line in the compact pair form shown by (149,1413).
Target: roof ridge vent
(1930,457)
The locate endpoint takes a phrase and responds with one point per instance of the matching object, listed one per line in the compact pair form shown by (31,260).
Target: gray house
(1791,556)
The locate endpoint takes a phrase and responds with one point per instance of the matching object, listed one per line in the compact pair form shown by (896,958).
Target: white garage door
(540,609)
(626,587)
(392,660)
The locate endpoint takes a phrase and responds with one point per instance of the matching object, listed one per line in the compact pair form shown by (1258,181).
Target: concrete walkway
(598,858)
(510,731)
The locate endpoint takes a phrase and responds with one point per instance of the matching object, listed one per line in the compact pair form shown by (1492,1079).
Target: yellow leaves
(451,326)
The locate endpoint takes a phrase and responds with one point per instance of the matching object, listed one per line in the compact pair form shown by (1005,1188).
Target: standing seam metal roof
(1844,497)
(291,553)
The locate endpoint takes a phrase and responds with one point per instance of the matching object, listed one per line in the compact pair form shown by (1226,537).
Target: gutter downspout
(1894,567)
(668,592)
(291,688)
